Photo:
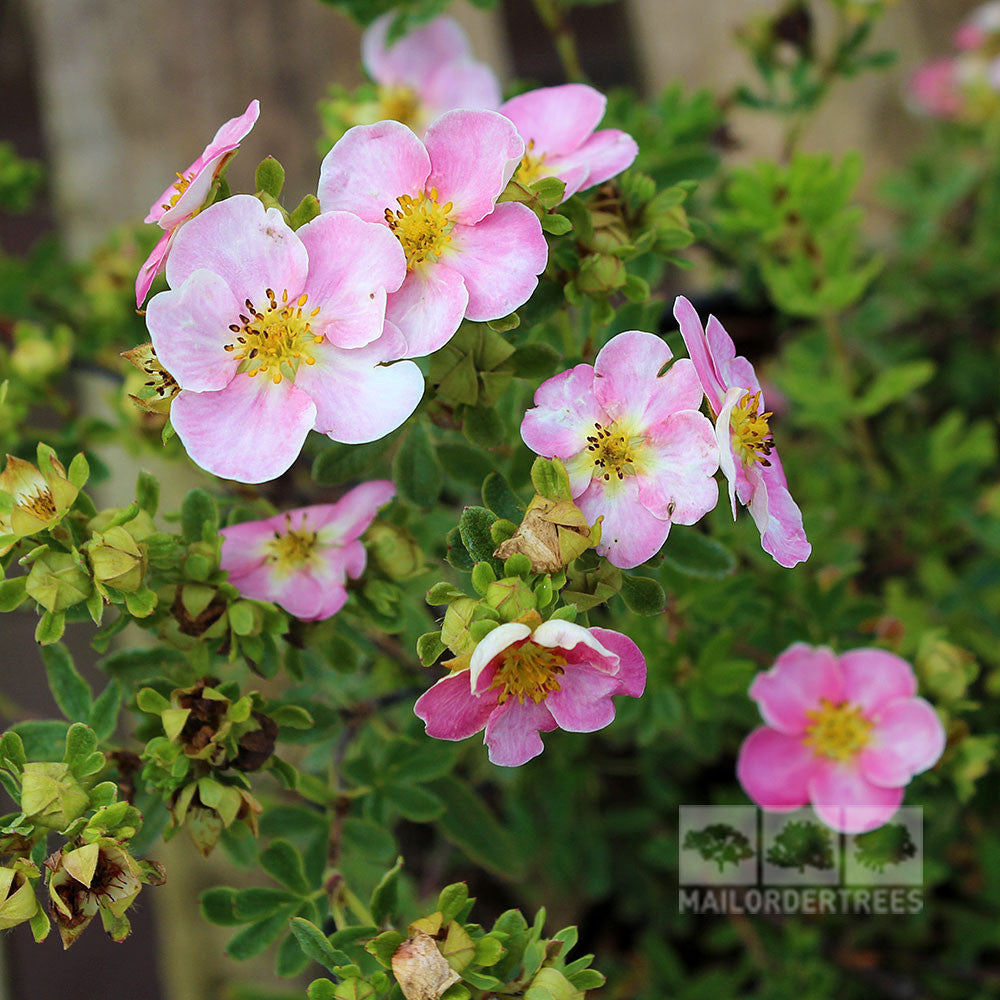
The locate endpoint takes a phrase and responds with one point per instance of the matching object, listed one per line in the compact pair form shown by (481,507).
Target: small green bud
(57,582)
(394,550)
(51,796)
(18,902)
(511,597)
(455,628)
(117,559)
(601,273)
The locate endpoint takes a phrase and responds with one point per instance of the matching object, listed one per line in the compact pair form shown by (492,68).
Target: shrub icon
(721,843)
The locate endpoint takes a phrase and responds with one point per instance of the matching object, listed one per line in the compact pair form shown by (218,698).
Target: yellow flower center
(275,341)
(180,186)
(41,503)
(751,435)
(837,731)
(528,671)
(421,225)
(292,548)
(400,104)
(613,451)
(532,166)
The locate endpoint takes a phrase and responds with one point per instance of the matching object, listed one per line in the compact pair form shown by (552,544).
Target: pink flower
(976,29)
(845,733)
(557,125)
(935,89)
(272,333)
(466,256)
(523,681)
(301,559)
(638,452)
(183,199)
(747,454)
(427,72)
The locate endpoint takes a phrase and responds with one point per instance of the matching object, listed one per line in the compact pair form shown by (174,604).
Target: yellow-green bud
(18,902)
(56,581)
(51,796)
(117,559)
(511,597)
(394,550)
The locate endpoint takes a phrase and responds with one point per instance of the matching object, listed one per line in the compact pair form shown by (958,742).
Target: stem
(554,19)
(566,334)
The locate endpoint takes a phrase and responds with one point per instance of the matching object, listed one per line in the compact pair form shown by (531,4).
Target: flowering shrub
(508,522)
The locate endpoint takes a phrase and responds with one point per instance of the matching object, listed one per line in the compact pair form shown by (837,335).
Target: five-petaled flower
(845,733)
(747,454)
(466,256)
(638,452)
(523,681)
(426,72)
(302,559)
(272,333)
(557,125)
(185,197)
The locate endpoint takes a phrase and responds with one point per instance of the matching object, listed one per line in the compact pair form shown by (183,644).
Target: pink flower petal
(632,664)
(583,702)
(630,533)
(566,412)
(450,711)
(298,592)
(499,259)
(730,463)
(201,175)
(352,264)
(570,637)
(415,57)
(908,738)
(846,800)
(245,546)
(696,342)
(251,431)
(774,770)
(512,732)
(151,267)
(473,156)
(608,153)
(370,168)
(677,468)
(189,328)
(489,648)
(250,247)
(557,119)
(351,515)
(875,677)
(463,83)
(428,308)
(356,397)
(778,517)
(802,676)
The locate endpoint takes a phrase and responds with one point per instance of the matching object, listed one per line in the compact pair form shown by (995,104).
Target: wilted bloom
(522,681)
(51,795)
(638,452)
(159,387)
(558,126)
(427,72)
(39,496)
(466,256)
(18,901)
(301,559)
(272,333)
(747,454)
(185,196)
(845,733)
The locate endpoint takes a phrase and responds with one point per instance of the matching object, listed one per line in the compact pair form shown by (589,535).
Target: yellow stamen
(532,166)
(421,225)
(292,548)
(400,104)
(180,186)
(528,671)
(751,435)
(837,731)
(41,503)
(613,451)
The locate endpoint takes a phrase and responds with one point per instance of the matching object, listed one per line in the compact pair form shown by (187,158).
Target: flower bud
(117,559)
(455,628)
(18,902)
(40,495)
(394,550)
(57,582)
(945,668)
(39,354)
(51,796)
(552,534)
(511,597)
(600,273)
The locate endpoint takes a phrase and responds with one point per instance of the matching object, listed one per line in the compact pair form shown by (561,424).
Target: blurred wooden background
(117,96)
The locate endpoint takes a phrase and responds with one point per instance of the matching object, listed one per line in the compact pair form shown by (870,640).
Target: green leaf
(414,803)
(557,225)
(270,177)
(416,469)
(643,595)
(284,864)
(339,463)
(474,528)
(550,479)
(893,384)
(254,904)
(291,717)
(430,647)
(81,746)
(321,989)
(71,692)
(147,493)
(690,552)
(304,212)
(50,628)
(501,499)
(104,712)
(384,896)
(12,593)
(384,946)
(254,939)
(199,516)
(43,739)
(505,324)
(534,361)
(316,945)
(483,426)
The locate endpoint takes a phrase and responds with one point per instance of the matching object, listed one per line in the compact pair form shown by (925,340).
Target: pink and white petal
(416,56)
(676,468)
(151,267)
(499,259)
(370,167)
(774,770)
(352,264)
(802,677)
(251,431)
(565,414)
(357,398)
(729,462)
(189,329)
(450,711)
(557,119)
(300,594)
(462,83)
(630,534)
(873,678)
(200,177)
(473,155)
(696,342)
(569,169)
(908,738)
(262,582)
(632,664)
(570,637)
(245,546)
(512,732)
(580,468)
(233,132)
(847,801)
(351,515)
(490,647)
(777,516)
(428,308)
(583,702)
(250,247)
(606,154)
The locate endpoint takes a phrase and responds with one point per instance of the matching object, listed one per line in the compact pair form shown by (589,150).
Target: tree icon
(802,844)
(888,845)
(721,843)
